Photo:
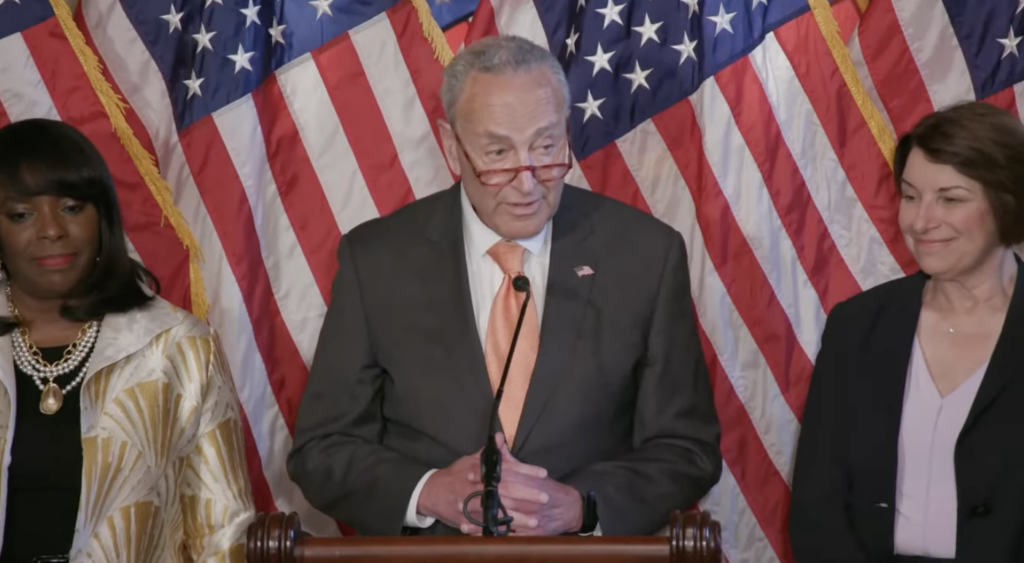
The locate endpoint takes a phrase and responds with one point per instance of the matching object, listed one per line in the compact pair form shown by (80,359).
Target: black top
(45,478)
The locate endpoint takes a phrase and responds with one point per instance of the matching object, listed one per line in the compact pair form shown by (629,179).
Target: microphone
(496,521)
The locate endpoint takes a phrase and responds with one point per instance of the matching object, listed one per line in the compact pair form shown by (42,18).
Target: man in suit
(608,414)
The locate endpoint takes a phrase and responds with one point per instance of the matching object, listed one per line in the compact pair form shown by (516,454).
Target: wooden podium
(690,537)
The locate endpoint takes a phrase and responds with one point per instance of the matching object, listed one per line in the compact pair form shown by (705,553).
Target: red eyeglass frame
(516,171)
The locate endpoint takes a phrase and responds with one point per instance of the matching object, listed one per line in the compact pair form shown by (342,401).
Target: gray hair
(497,55)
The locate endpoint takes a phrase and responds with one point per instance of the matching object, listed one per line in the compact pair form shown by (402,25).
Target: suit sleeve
(337,459)
(676,457)
(818,527)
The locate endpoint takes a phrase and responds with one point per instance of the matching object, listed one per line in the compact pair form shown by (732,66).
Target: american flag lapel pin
(584,271)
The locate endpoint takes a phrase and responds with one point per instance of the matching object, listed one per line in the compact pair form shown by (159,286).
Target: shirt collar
(480,238)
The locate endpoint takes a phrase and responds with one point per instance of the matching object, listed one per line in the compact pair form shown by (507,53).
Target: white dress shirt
(485,277)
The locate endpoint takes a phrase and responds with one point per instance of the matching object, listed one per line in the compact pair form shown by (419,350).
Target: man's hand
(539,505)
(445,491)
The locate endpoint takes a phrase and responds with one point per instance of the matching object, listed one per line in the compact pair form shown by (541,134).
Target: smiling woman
(919,381)
(116,406)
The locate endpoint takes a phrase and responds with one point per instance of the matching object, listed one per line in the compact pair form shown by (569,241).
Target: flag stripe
(609,175)
(744,453)
(394,93)
(224,198)
(575,176)
(663,186)
(849,227)
(302,197)
(288,272)
(748,313)
(419,62)
(739,360)
(323,138)
(893,70)
(859,154)
(361,118)
(648,158)
(67,86)
(737,178)
(262,496)
(522,19)
(826,271)
(847,15)
(857,56)
(484,24)
(927,30)
(23,98)
(1018,91)
(1004,99)
(734,259)
(743,540)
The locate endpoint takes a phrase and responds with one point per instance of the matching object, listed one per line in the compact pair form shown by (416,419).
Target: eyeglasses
(499,177)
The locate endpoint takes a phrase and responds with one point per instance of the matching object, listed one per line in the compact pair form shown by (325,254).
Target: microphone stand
(496,521)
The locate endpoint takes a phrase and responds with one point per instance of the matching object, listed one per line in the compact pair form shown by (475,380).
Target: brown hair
(984,143)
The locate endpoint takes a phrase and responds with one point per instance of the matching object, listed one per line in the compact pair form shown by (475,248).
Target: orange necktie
(500,328)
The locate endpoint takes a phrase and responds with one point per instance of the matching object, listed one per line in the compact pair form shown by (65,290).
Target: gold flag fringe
(145,162)
(830,31)
(433,33)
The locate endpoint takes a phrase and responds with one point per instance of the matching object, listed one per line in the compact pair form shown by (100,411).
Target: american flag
(279,126)
(917,56)
(731,121)
(738,122)
(41,77)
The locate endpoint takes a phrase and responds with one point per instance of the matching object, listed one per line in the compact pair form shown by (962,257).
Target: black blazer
(844,480)
(619,403)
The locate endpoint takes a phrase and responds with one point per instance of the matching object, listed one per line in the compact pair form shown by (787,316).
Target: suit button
(981,510)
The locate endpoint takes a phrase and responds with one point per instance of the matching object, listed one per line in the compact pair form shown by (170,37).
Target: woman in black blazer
(911,443)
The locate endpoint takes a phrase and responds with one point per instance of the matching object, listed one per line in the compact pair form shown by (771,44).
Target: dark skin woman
(117,407)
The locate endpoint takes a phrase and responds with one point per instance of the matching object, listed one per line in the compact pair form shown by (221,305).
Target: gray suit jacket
(620,401)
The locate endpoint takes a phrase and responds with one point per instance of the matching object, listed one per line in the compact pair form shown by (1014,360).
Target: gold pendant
(52,399)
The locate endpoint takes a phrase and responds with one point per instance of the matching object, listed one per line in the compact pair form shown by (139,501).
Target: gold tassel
(830,31)
(433,33)
(145,162)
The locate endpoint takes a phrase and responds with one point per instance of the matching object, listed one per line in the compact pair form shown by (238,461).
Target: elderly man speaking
(607,420)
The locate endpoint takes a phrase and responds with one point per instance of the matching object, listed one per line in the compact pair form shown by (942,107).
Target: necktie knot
(508,255)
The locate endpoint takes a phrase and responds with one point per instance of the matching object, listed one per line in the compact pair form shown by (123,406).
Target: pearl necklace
(30,360)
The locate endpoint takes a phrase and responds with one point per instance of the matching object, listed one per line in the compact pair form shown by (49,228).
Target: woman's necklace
(30,360)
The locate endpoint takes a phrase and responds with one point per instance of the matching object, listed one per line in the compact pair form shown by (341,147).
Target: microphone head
(521,283)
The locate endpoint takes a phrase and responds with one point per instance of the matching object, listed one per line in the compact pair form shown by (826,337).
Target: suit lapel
(1008,356)
(450,284)
(886,360)
(565,303)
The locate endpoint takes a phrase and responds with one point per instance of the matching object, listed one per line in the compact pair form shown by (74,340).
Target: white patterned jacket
(164,473)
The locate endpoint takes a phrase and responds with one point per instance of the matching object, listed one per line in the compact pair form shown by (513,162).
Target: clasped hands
(539,505)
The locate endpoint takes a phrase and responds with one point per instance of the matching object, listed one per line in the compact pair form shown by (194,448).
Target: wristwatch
(589,513)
